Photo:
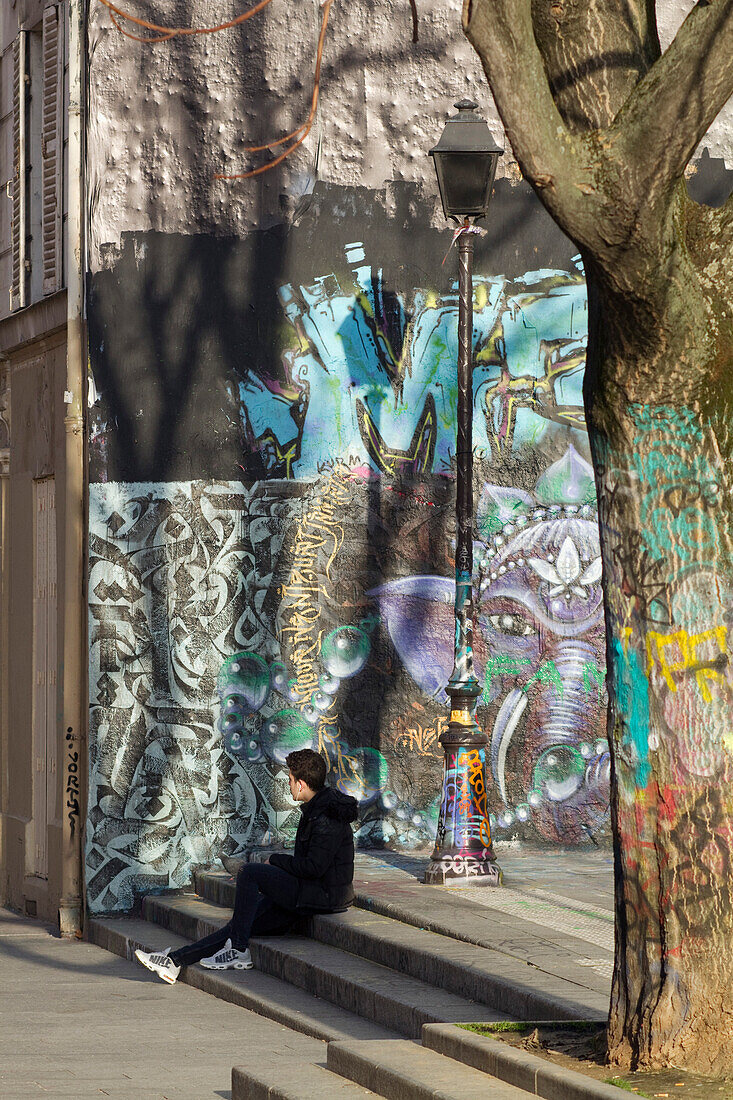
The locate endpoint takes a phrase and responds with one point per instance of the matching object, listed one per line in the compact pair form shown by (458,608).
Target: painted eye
(511,624)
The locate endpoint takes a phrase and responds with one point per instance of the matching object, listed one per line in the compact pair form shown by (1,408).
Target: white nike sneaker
(228,958)
(160,964)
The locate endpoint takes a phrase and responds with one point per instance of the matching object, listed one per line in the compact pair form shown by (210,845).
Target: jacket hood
(333,804)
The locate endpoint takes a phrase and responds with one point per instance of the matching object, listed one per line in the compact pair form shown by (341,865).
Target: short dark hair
(309,766)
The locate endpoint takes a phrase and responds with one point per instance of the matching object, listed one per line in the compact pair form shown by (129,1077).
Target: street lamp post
(465,161)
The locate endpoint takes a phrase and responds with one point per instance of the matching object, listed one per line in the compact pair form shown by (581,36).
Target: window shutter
(17,289)
(52,148)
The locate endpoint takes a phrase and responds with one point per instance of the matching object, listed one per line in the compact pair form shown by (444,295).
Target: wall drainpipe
(74,663)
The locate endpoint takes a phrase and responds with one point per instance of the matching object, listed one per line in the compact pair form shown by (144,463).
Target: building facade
(34,130)
(270,434)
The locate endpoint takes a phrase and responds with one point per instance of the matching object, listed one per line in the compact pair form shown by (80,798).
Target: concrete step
(250,989)
(376,992)
(288,1078)
(475,973)
(536,1075)
(404,1070)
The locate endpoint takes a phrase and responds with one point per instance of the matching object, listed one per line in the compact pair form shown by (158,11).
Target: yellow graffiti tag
(317,542)
(679,652)
(421,739)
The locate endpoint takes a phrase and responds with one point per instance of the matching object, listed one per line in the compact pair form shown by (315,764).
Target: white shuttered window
(38,141)
(20,133)
(52,148)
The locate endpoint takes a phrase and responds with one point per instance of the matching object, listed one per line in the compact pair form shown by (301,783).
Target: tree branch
(670,110)
(594,52)
(554,160)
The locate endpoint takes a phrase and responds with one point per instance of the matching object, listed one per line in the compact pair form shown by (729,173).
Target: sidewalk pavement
(76,1021)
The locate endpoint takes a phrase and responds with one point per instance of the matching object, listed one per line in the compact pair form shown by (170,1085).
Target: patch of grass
(627,1086)
(521,1026)
(502,1025)
(575,1025)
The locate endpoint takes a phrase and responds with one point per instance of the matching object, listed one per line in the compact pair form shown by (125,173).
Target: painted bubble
(228,722)
(291,691)
(252,751)
(235,704)
(329,684)
(286,732)
(279,676)
(559,772)
(246,675)
(433,812)
(310,713)
(345,651)
(320,700)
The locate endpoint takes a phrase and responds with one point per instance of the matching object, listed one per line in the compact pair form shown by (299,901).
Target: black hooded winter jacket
(323,859)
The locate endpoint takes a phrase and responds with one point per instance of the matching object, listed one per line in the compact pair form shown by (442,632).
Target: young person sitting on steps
(271,896)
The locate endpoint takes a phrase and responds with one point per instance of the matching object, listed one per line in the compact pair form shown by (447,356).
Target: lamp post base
(463,853)
(472,869)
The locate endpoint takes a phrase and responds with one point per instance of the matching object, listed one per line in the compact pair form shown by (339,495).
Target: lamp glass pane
(465,180)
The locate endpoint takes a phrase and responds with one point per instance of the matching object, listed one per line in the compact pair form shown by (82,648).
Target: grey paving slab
(90,1024)
(285,1079)
(404,1070)
(13,924)
(575,889)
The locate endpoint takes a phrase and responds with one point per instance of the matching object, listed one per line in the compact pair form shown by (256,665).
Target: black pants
(264,905)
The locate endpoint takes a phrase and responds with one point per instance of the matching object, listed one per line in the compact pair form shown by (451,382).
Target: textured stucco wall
(165,118)
(272,449)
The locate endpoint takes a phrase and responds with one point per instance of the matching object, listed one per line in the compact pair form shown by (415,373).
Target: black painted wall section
(174,319)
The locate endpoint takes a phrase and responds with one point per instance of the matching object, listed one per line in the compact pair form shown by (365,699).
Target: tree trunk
(658,408)
(603,127)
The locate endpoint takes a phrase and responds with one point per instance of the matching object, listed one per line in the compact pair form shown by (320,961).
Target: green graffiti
(593,679)
(679,484)
(547,674)
(632,712)
(503,665)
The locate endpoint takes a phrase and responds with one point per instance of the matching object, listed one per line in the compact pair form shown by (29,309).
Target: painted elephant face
(540,615)
(539,648)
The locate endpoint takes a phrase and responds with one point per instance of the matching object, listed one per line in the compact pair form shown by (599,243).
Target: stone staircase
(371,987)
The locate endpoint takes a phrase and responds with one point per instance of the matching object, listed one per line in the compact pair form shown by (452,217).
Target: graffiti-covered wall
(290,582)
(272,414)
